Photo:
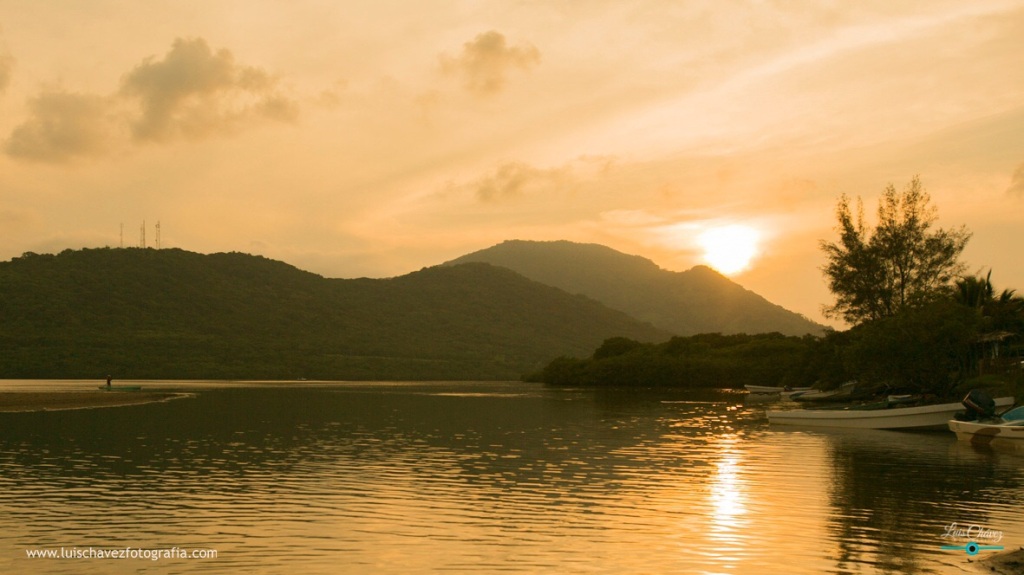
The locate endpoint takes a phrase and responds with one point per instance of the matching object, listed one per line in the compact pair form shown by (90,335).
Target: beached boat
(876,416)
(771,389)
(840,393)
(1007,429)
(121,387)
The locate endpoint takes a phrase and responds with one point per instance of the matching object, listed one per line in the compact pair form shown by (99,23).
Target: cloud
(515,179)
(1017,182)
(10,218)
(485,62)
(62,125)
(192,93)
(6,67)
(195,92)
(519,180)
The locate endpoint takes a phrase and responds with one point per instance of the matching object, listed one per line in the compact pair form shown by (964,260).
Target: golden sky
(373,138)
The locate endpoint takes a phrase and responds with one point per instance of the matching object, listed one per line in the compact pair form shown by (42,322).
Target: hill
(144,313)
(699,300)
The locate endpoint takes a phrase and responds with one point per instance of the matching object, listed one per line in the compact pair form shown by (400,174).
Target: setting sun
(729,249)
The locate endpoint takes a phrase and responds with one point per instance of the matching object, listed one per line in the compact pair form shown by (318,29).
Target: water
(389,478)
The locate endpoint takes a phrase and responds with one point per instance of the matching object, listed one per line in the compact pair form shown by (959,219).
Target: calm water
(485,478)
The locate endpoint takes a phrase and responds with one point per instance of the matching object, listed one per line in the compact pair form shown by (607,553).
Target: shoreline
(1005,563)
(34,401)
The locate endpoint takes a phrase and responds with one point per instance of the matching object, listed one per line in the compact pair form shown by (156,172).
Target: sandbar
(11,401)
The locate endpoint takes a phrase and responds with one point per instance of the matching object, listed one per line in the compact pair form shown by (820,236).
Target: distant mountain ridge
(144,313)
(699,300)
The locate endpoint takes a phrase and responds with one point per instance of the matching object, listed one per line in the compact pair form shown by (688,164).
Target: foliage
(703,360)
(1004,312)
(918,324)
(932,348)
(616,346)
(923,349)
(937,346)
(902,263)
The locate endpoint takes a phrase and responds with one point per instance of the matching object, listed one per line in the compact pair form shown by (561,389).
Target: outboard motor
(979,406)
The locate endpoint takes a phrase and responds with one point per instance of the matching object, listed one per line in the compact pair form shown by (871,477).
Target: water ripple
(470,478)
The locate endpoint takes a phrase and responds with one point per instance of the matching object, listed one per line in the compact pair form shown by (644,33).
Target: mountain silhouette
(174,314)
(699,300)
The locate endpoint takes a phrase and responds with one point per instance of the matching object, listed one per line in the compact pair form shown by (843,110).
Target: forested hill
(699,300)
(144,313)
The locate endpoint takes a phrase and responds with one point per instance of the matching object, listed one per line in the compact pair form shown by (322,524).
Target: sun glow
(729,249)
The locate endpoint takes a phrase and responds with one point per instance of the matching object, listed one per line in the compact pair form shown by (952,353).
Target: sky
(375,138)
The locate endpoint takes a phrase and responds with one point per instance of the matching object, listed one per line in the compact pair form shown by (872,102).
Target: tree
(615,346)
(1002,312)
(900,264)
(1006,312)
(974,292)
(923,349)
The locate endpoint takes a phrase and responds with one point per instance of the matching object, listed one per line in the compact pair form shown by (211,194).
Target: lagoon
(485,477)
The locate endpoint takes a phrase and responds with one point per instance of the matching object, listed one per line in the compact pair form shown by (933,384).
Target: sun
(729,249)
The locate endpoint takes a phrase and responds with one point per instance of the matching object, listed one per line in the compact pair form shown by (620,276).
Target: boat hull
(771,389)
(979,433)
(921,417)
(121,388)
(841,393)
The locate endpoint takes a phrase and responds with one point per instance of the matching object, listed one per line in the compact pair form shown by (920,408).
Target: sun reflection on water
(461,479)
(727,522)
(727,492)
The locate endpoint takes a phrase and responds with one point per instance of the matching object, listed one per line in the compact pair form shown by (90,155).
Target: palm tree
(974,292)
(1002,317)
(1006,312)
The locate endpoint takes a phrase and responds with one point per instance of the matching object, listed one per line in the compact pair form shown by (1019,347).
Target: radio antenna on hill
(122,234)
(158,234)
(142,235)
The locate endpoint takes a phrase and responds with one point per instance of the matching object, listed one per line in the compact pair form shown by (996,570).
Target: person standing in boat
(108,381)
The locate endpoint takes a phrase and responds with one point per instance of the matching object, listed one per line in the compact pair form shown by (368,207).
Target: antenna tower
(142,235)
(158,234)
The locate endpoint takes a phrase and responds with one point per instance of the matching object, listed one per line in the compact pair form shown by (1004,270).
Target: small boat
(121,387)
(771,389)
(876,416)
(842,392)
(1008,429)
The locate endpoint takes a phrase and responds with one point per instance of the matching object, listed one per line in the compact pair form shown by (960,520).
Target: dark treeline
(705,360)
(942,348)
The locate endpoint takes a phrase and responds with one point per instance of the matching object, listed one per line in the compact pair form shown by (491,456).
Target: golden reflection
(728,495)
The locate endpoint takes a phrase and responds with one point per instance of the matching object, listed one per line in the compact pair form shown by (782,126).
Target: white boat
(770,389)
(1006,430)
(876,416)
